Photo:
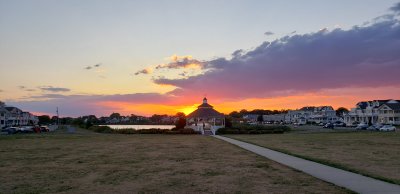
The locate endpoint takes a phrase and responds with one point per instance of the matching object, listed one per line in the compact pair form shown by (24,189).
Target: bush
(188,131)
(101,129)
(107,129)
(253,129)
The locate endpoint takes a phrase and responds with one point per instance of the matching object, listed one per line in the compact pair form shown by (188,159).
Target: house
(375,111)
(15,116)
(205,119)
(12,116)
(275,117)
(3,115)
(251,118)
(320,114)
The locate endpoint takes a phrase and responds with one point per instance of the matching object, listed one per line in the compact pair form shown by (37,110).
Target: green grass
(373,154)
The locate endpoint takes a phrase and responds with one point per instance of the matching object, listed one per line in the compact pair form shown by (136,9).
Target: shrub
(101,129)
(107,129)
(254,129)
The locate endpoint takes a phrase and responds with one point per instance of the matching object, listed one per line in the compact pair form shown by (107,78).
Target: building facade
(373,112)
(320,114)
(12,116)
(275,117)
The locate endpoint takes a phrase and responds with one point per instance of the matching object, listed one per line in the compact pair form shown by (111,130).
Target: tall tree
(115,115)
(181,122)
(341,110)
(44,119)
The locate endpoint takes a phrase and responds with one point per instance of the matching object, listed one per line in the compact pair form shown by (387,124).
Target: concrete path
(349,180)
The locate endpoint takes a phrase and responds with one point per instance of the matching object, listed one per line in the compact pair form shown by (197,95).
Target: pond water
(136,127)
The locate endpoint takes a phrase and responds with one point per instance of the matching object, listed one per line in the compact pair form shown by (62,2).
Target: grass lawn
(113,163)
(375,154)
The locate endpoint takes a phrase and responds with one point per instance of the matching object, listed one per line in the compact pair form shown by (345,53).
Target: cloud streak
(54,89)
(92,67)
(268,33)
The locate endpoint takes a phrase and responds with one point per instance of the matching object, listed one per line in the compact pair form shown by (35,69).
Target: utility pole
(58,118)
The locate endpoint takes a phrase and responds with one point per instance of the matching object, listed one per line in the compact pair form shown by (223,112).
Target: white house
(3,115)
(275,117)
(320,114)
(12,116)
(375,111)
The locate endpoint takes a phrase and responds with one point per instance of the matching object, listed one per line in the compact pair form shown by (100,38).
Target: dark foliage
(106,129)
(253,129)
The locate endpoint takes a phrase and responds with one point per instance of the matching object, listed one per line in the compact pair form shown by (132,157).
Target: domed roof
(205,110)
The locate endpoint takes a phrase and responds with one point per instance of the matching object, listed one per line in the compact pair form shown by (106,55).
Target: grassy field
(375,154)
(114,163)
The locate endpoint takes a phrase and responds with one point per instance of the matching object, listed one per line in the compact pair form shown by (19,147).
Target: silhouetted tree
(44,119)
(115,115)
(228,122)
(341,110)
(260,119)
(235,114)
(181,122)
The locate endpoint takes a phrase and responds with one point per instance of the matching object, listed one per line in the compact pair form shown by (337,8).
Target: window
(2,122)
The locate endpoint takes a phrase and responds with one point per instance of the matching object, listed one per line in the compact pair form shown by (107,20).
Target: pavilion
(205,119)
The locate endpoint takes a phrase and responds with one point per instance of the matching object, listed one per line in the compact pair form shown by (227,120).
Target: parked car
(26,129)
(44,129)
(329,126)
(37,129)
(354,124)
(375,127)
(8,130)
(339,124)
(362,126)
(387,128)
(321,124)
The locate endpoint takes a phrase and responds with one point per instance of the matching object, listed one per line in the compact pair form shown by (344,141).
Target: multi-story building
(251,118)
(12,116)
(321,114)
(375,111)
(275,117)
(3,115)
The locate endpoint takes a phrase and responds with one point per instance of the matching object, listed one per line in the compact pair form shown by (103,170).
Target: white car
(387,128)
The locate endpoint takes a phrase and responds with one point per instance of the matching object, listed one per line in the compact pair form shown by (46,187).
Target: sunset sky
(162,57)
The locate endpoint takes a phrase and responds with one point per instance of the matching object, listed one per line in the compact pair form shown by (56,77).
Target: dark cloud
(94,66)
(365,56)
(1,90)
(268,33)
(30,90)
(396,8)
(54,89)
(143,71)
(22,87)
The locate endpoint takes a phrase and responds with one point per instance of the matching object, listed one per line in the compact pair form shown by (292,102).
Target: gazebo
(205,119)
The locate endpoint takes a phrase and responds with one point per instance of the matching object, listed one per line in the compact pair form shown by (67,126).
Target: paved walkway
(349,180)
